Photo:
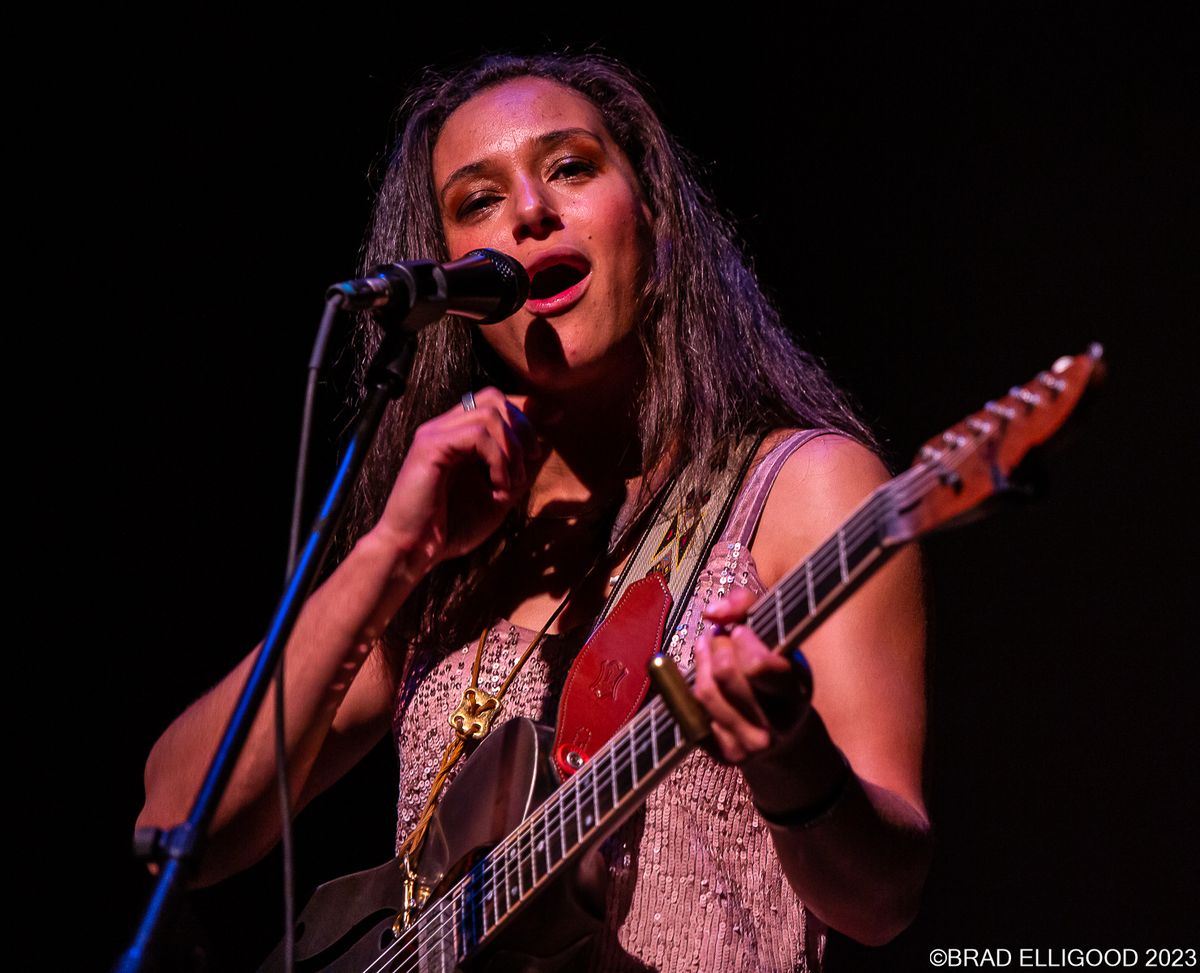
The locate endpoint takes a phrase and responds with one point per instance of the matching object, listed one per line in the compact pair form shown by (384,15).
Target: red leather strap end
(609,678)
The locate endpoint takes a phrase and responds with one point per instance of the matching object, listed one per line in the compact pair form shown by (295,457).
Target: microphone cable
(315,363)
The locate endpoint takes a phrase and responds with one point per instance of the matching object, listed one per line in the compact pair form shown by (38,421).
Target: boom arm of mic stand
(180,848)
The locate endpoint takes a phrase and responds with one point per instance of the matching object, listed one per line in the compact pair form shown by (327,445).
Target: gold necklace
(470,721)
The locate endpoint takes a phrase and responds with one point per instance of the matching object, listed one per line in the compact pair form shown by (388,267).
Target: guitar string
(900,490)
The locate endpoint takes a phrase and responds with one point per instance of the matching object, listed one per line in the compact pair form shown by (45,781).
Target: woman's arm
(861,864)
(460,477)
(337,704)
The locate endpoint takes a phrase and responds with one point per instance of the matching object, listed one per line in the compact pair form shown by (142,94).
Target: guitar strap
(610,677)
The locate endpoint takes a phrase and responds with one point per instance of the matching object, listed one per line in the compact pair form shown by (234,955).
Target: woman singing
(508,488)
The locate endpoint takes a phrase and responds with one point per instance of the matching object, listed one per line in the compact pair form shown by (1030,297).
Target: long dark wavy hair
(720,365)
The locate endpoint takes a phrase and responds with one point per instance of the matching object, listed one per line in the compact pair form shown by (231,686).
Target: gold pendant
(473,718)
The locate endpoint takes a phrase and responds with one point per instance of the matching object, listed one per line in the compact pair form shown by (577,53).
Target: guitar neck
(606,791)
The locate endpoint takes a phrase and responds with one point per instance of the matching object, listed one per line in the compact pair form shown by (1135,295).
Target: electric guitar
(484,862)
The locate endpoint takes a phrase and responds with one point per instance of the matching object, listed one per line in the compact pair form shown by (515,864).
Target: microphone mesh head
(516,283)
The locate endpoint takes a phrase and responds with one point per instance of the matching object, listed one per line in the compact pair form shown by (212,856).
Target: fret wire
(587,778)
(456,916)
(841,539)
(633,774)
(463,937)
(503,905)
(487,892)
(533,853)
(513,855)
(520,870)
(653,737)
(780,629)
(496,885)
(562,834)
(578,818)
(474,916)
(539,831)
(517,856)
(508,888)
(612,775)
(595,798)
(580,803)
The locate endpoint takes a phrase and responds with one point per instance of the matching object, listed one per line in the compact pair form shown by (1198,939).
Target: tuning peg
(1007,413)
(1054,384)
(1031,399)
(950,478)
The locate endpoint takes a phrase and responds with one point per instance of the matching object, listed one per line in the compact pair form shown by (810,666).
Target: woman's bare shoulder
(818,487)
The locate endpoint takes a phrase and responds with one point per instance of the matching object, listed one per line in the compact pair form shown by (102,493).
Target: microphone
(485,286)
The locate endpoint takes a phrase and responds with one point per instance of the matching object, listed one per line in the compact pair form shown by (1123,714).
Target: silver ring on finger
(468,402)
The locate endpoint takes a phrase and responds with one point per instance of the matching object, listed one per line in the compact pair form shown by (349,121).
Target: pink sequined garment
(694,881)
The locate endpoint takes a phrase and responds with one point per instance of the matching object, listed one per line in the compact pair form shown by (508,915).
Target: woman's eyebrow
(558,136)
(547,140)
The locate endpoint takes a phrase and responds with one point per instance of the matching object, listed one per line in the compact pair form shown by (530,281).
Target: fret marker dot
(587,820)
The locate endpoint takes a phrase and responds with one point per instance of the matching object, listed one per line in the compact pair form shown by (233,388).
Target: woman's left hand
(756,698)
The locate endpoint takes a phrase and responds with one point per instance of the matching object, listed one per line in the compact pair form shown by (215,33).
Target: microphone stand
(179,849)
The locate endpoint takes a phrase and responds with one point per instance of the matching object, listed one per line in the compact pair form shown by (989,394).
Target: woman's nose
(535,216)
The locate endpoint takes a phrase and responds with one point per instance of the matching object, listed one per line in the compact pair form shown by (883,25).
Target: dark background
(941,206)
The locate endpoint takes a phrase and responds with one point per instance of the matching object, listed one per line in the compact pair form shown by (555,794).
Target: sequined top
(694,880)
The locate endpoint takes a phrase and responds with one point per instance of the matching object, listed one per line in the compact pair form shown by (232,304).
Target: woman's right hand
(463,473)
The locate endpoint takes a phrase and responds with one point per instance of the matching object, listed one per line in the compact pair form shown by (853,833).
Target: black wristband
(812,815)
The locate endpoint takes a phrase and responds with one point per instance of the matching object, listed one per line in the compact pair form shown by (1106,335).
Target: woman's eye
(573,167)
(475,203)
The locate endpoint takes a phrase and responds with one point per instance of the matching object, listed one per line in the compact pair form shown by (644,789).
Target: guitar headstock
(971,461)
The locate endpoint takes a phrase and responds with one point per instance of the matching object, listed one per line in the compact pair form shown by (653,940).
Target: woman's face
(528,168)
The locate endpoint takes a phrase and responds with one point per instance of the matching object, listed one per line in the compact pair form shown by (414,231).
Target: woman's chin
(555,362)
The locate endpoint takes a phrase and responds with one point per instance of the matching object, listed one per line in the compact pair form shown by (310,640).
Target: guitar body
(347,925)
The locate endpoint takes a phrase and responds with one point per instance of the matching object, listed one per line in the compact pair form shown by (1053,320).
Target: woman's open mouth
(556,284)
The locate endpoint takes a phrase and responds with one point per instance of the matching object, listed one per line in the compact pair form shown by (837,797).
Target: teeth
(554,280)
